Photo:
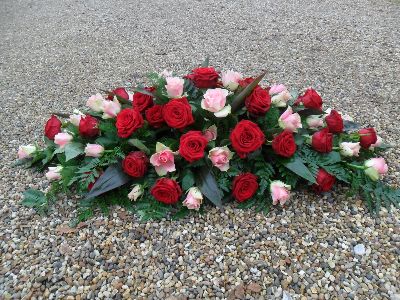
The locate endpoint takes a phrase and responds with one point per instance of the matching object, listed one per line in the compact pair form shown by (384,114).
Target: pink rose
(111,108)
(26,151)
(136,192)
(280,192)
(163,160)
(289,120)
(375,167)
(54,173)
(315,121)
(210,133)
(230,80)
(276,89)
(349,149)
(220,157)
(95,102)
(174,87)
(193,199)
(62,139)
(94,150)
(378,143)
(281,99)
(214,101)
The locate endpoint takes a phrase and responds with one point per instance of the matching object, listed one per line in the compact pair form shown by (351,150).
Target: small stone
(359,249)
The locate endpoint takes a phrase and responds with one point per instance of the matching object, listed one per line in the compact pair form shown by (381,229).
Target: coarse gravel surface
(56,53)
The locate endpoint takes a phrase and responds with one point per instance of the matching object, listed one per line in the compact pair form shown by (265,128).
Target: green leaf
(188,180)
(139,144)
(238,101)
(143,91)
(206,62)
(35,199)
(72,150)
(296,165)
(207,184)
(350,126)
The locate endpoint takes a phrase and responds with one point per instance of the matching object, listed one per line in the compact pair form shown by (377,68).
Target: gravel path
(56,53)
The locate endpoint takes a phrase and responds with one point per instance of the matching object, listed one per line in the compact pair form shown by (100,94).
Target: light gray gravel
(54,54)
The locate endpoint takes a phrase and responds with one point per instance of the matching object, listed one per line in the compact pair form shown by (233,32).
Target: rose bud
(174,87)
(136,192)
(76,118)
(111,108)
(193,199)
(220,157)
(163,160)
(165,73)
(89,127)
(289,120)
(325,181)
(204,77)
(311,99)
(52,127)
(379,142)
(26,151)
(280,192)
(314,121)
(120,92)
(95,102)
(349,149)
(245,82)
(141,101)
(154,116)
(322,141)
(135,164)
(375,167)
(54,173)
(277,89)
(334,121)
(284,144)
(230,80)
(94,150)
(214,101)
(192,145)
(211,133)
(61,139)
(281,99)
(244,186)
(166,190)
(368,137)
(258,102)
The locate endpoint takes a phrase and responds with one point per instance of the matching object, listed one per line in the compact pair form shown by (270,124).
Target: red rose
(325,181)
(128,120)
(246,137)
(244,186)
(245,82)
(311,99)
(142,101)
(166,190)
(204,78)
(284,144)
(154,116)
(120,92)
(135,164)
(367,137)
(177,113)
(322,141)
(88,126)
(258,102)
(52,127)
(192,145)
(335,122)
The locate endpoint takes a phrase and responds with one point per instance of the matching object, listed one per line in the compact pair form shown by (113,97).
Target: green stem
(356,166)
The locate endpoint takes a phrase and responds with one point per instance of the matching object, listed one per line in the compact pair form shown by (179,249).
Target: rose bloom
(174,87)
(128,121)
(192,145)
(245,82)
(89,127)
(135,164)
(211,133)
(193,199)
(75,119)
(284,144)
(244,186)
(230,79)
(280,192)
(315,121)
(220,157)
(258,102)
(281,99)
(26,151)
(95,102)
(246,137)
(289,120)
(349,149)
(111,108)
(52,127)
(166,190)
(368,137)
(311,99)
(334,121)
(120,92)
(54,173)
(325,181)
(94,150)
(276,89)
(62,139)
(177,113)
(154,116)
(136,192)
(141,101)
(378,143)
(375,167)
(322,141)
(214,101)
(204,77)
(163,160)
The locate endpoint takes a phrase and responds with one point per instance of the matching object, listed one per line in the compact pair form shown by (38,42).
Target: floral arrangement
(209,136)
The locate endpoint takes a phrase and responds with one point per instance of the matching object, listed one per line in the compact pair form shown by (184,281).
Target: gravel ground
(54,54)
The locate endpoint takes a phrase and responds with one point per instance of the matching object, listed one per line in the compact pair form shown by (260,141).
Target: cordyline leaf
(139,144)
(350,126)
(296,165)
(238,101)
(62,115)
(207,184)
(309,112)
(206,62)
(111,179)
(143,91)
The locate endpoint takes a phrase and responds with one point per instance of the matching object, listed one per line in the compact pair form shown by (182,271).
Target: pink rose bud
(193,199)
(62,139)
(289,120)
(26,151)
(94,150)
(75,119)
(174,87)
(166,73)
(280,192)
(214,101)
(375,167)
(378,143)
(230,79)
(163,160)
(54,173)
(281,99)
(211,133)
(220,157)
(111,108)
(276,89)
(136,192)
(349,149)
(95,102)
(315,121)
